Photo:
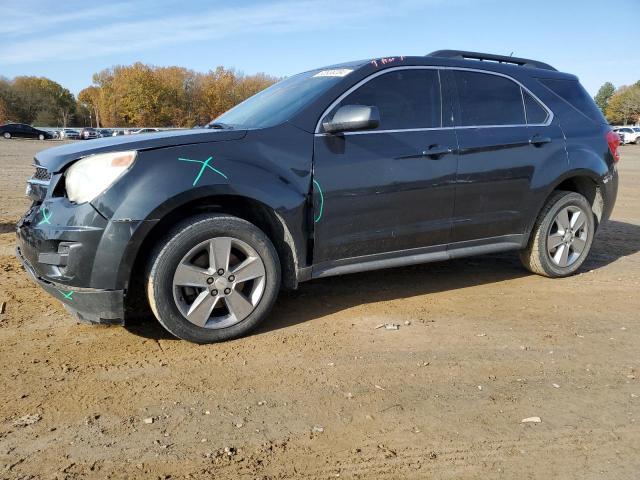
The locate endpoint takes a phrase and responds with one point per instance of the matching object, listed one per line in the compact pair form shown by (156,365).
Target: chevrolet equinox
(353,167)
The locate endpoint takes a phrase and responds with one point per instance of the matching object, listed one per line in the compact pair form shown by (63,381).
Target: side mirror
(353,117)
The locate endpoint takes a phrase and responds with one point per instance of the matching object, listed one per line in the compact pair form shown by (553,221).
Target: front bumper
(88,304)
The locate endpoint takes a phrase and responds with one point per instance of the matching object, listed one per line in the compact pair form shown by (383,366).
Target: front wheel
(214,278)
(562,236)
(6,135)
(41,137)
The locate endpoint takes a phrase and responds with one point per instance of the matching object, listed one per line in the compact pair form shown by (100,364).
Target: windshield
(279,102)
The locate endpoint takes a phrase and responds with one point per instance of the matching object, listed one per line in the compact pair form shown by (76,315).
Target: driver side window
(406,98)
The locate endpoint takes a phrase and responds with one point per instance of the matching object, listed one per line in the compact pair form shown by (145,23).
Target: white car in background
(69,134)
(144,130)
(628,134)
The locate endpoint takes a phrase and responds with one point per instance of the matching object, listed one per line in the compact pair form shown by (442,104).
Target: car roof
(461,59)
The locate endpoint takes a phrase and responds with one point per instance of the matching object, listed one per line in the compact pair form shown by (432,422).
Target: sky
(70,41)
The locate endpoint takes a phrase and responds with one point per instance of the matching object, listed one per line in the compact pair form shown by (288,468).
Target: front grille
(42,174)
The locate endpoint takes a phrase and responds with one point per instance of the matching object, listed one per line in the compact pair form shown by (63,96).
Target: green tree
(604,94)
(36,99)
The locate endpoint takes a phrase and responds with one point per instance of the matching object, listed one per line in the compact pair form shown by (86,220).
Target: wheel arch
(132,271)
(247,208)
(582,181)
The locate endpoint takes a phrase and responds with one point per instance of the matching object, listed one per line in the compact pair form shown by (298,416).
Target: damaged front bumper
(88,304)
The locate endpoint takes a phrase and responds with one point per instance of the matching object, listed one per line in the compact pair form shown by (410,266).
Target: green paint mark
(205,164)
(67,295)
(46,216)
(317,219)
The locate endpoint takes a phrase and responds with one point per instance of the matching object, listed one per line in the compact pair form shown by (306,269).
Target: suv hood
(55,159)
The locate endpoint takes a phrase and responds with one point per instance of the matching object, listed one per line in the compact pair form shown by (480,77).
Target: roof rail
(462,55)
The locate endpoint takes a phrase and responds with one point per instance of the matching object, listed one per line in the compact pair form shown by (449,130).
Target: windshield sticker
(338,72)
(320,209)
(205,164)
(46,216)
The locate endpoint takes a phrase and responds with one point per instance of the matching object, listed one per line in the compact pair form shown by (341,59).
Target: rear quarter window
(573,93)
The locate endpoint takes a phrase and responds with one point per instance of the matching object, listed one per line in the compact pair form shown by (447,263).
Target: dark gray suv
(353,167)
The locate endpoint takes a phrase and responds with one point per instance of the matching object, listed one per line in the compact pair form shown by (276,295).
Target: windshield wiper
(219,126)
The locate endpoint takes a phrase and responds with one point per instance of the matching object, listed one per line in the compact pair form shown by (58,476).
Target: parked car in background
(629,134)
(105,132)
(347,168)
(22,130)
(54,132)
(69,134)
(88,133)
(145,130)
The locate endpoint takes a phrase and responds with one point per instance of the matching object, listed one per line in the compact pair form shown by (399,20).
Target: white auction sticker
(339,72)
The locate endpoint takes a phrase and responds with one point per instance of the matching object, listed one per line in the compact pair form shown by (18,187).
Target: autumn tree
(5,93)
(624,105)
(89,98)
(127,96)
(145,95)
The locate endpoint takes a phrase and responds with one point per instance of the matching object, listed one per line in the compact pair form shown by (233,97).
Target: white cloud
(22,19)
(112,35)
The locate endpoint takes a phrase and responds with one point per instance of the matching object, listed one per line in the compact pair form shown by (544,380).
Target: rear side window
(576,95)
(487,99)
(534,111)
(407,98)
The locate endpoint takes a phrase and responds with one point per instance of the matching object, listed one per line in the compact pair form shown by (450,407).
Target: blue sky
(69,41)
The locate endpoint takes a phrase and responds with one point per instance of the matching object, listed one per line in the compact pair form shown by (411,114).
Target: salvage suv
(359,166)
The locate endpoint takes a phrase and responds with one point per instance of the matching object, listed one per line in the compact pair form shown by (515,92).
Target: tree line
(130,96)
(621,106)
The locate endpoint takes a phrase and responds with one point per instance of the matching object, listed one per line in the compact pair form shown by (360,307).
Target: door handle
(538,140)
(436,150)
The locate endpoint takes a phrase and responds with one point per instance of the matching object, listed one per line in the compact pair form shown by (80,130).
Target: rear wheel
(562,236)
(213,279)
(41,137)
(6,135)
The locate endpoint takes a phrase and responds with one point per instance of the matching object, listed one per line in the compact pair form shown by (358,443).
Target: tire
(181,263)
(6,135)
(41,137)
(573,244)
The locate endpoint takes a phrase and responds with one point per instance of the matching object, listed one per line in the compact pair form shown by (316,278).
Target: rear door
(500,154)
(388,189)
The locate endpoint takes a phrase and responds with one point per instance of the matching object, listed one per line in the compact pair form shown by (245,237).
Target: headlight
(89,177)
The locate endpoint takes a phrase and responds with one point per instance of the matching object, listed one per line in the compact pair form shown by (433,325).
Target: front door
(390,189)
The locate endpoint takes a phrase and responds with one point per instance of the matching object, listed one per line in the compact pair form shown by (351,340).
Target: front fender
(164,180)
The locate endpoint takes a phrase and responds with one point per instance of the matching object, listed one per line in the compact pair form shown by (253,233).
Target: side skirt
(414,256)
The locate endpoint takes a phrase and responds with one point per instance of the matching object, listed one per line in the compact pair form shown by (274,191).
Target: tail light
(614,142)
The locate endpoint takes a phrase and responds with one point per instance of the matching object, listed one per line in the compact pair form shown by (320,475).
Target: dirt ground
(319,392)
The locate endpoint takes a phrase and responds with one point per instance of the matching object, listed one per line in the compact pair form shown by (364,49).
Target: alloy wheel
(219,282)
(568,236)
